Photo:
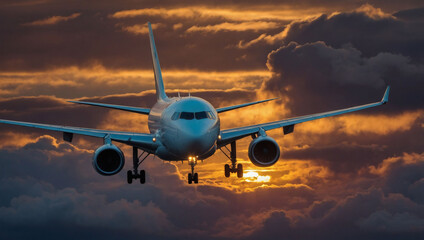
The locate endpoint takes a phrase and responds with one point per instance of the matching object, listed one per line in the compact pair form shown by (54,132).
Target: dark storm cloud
(347,59)
(343,153)
(304,72)
(340,158)
(58,187)
(368,29)
(372,213)
(411,14)
(367,32)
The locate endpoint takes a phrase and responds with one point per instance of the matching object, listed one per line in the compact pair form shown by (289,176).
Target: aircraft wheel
(196,178)
(190,178)
(239,170)
(129,176)
(142,176)
(227,170)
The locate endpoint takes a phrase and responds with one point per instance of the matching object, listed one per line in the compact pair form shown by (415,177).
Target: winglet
(160,89)
(385,98)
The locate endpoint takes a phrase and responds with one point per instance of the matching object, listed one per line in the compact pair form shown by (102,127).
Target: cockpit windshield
(200,115)
(187,115)
(192,115)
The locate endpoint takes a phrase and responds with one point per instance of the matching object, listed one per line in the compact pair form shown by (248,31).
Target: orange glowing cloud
(270,13)
(355,124)
(367,9)
(73,82)
(237,27)
(373,12)
(379,124)
(405,159)
(141,28)
(53,20)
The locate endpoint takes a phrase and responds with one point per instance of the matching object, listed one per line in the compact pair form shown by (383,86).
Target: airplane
(185,129)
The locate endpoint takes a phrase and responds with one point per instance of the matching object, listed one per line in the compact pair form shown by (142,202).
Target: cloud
(76,82)
(53,20)
(372,12)
(410,14)
(384,125)
(207,12)
(141,29)
(238,27)
(397,222)
(82,209)
(302,72)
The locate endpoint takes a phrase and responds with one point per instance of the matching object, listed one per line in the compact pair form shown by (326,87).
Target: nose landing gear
(234,168)
(192,177)
(134,174)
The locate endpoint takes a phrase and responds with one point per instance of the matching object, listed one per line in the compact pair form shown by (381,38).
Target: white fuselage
(184,127)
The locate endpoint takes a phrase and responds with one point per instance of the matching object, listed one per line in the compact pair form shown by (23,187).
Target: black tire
(129,176)
(227,170)
(142,176)
(190,178)
(239,170)
(196,178)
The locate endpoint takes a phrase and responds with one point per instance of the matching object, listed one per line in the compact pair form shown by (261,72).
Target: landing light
(219,137)
(154,139)
(192,160)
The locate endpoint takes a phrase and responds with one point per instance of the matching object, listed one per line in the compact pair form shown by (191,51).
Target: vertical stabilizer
(160,89)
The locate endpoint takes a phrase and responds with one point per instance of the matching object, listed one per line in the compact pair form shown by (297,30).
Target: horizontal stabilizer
(118,107)
(224,109)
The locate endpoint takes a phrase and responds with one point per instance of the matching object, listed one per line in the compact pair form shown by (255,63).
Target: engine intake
(264,151)
(108,160)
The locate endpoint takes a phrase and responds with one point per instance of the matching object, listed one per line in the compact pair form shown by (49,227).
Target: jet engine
(264,151)
(108,160)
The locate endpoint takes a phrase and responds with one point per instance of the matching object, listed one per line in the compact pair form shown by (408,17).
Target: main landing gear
(192,177)
(134,174)
(234,168)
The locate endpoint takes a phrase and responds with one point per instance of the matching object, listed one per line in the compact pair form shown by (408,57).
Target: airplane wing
(224,109)
(230,135)
(119,107)
(141,140)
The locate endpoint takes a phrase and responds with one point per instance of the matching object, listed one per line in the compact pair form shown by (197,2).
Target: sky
(356,176)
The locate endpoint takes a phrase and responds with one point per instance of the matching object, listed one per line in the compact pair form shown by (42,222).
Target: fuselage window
(201,115)
(175,116)
(187,115)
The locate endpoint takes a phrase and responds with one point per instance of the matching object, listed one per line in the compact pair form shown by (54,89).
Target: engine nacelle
(264,151)
(108,160)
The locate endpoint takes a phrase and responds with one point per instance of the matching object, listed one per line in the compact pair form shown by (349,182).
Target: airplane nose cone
(196,141)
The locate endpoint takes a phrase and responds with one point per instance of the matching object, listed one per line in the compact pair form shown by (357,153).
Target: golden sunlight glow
(238,27)
(85,82)
(141,28)
(252,176)
(227,13)
(52,20)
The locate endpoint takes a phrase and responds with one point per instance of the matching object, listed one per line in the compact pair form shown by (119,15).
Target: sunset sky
(357,176)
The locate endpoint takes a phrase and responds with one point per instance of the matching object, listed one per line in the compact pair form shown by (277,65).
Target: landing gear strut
(234,168)
(134,174)
(192,177)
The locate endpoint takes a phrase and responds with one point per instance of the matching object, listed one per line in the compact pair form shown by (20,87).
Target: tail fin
(160,89)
